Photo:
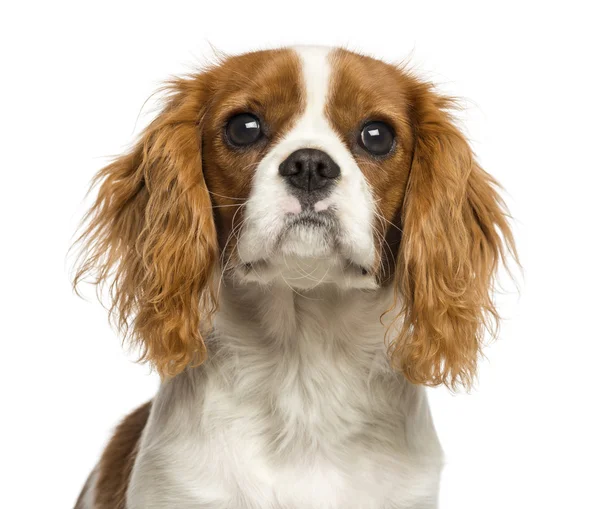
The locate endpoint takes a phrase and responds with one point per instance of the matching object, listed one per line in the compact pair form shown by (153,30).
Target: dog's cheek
(228,176)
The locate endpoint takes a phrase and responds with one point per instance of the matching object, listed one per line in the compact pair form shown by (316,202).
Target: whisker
(226,197)
(303,272)
(225,267)
(378,214)
(225,206)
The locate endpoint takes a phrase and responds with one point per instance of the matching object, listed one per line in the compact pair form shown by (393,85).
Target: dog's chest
(316,420)
(242,472)
(301,451)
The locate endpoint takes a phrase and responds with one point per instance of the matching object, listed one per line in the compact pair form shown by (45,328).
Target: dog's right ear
(151,237)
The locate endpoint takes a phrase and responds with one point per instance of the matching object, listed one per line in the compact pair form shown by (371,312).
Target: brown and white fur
(293,337)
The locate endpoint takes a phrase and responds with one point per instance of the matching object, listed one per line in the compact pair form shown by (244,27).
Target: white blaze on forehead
(270,201)
(316,71)
(313,130)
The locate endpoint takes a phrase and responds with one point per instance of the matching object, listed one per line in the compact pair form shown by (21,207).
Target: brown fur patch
(116,463)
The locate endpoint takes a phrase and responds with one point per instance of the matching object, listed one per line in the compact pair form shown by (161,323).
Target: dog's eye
(243,129)
(377,138)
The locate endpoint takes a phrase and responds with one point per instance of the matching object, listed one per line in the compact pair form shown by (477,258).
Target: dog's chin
(307,273)
(308,256)
(308,239)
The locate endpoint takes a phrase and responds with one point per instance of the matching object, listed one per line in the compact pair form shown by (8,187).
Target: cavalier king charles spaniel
(298,243)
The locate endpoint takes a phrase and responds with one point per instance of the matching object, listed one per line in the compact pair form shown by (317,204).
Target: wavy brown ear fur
(150,236)
(455,233)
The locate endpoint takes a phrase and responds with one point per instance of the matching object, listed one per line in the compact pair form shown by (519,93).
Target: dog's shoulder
(106,487)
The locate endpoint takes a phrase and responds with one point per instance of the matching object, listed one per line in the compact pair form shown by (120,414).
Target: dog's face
(303,167)
(307,155)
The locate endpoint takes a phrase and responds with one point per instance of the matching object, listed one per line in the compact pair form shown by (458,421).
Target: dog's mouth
(325,220)
(308,252)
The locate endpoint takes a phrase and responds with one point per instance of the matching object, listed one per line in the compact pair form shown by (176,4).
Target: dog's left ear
(455,232)
(151,236)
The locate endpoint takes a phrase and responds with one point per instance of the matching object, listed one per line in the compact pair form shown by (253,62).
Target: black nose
(309,169)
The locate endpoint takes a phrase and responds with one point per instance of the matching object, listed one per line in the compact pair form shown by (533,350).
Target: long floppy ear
(455,233)
(151,237)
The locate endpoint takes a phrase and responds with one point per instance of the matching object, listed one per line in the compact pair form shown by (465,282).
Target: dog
(299,243)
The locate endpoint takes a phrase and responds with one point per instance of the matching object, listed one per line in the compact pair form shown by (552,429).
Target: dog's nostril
(309,169)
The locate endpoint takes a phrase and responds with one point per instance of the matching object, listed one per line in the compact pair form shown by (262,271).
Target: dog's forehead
(347,83)
(266,82)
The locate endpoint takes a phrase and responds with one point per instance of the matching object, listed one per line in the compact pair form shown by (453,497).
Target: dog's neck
(270,337)
(320,318)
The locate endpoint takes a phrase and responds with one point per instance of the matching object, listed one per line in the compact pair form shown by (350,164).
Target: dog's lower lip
(310,220)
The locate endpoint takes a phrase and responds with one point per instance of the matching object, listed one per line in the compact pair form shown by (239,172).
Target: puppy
(299,242)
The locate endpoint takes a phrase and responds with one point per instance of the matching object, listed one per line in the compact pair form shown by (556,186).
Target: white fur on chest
(296,409)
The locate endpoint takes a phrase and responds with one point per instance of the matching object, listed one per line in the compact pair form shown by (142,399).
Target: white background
(74,78)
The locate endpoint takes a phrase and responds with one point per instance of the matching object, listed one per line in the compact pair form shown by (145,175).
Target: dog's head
(304,167)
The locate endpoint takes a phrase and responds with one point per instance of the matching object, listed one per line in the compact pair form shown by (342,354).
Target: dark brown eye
(243,129)
(377,138)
